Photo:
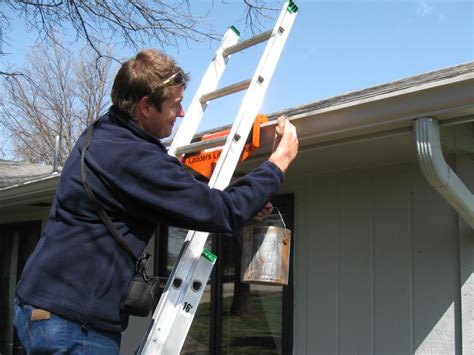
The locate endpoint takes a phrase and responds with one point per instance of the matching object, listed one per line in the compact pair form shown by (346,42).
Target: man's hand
(285,146)
(264,212)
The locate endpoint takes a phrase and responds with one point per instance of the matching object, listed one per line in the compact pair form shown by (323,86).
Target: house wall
(382,263)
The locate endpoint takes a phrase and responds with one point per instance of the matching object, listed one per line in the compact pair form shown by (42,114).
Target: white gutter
(438,173)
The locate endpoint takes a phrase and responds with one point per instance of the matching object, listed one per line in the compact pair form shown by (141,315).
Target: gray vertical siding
(355,264)
(322,250)
(393,260)
(465,170)
(377,265)
(301,313)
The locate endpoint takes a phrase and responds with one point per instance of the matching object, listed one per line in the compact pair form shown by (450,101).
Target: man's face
(160,124)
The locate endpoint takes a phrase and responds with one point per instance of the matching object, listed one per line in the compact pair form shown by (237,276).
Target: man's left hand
(264,212)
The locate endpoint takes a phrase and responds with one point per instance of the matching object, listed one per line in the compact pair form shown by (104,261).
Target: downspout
(438,173)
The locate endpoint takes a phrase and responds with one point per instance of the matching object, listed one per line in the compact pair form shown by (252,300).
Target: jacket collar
(125,120)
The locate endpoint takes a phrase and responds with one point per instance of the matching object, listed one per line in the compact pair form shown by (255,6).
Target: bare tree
(55,94)
(62,95)
(130,22)
(92,87)
(256,12)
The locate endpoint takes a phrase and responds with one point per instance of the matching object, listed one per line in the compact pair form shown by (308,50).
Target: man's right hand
(286,143)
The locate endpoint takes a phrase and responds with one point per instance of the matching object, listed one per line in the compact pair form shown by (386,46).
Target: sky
(335,47)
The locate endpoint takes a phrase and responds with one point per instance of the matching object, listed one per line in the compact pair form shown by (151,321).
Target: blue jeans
(41,332)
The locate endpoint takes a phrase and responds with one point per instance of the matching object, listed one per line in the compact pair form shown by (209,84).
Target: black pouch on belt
(143,291)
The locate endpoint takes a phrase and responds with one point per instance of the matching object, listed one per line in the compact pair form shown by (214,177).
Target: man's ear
(143,107)
(141,112)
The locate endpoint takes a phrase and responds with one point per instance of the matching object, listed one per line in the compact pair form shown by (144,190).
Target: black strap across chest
(100,211)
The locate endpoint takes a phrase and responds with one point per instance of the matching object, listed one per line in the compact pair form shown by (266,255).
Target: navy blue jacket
(78,270)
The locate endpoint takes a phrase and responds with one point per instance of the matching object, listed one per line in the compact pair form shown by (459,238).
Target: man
(69,296)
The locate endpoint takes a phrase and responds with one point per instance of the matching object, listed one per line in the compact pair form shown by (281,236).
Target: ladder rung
(198,146)
(247,43)
(225,91)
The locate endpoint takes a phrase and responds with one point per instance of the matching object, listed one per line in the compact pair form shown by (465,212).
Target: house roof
(25,183)
(16,173)
(384,89)
(446,95)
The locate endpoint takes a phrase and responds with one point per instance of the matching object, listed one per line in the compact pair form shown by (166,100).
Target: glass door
(235,317)
(254,318)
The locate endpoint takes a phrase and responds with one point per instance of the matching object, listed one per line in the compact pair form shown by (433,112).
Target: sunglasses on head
(175,79)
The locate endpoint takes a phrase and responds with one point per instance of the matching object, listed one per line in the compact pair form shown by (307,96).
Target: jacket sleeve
(154,186)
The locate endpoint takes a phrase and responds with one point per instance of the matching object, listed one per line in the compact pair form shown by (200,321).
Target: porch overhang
(30,192)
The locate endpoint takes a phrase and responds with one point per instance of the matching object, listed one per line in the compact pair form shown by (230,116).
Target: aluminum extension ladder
(178,303)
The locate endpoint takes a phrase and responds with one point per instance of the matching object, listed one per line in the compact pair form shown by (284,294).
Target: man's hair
(142,76)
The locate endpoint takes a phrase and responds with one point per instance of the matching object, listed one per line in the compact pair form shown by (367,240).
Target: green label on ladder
(292,8)
(236,31)
(209,256)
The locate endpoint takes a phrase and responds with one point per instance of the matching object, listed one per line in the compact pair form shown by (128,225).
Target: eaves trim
(29,192)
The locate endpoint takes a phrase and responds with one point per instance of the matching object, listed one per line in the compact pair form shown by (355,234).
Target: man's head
(148,85)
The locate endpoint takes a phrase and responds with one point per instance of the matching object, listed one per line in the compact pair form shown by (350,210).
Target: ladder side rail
(251,102)
(169,304)
(209,83)
(175,341)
